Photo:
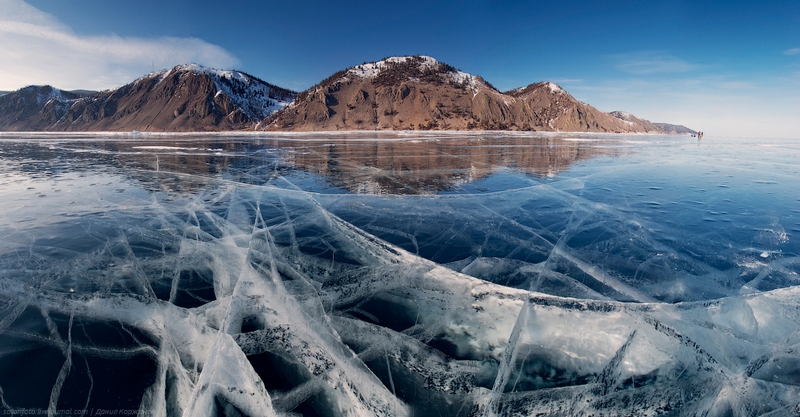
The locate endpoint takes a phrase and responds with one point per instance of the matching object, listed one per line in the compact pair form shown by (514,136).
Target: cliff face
(420,93)
(186,98)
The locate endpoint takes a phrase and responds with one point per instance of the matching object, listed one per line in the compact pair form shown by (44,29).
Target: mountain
(675,129)
(34,108)
(397,93)
(632,120)
(185,98)
(420,93)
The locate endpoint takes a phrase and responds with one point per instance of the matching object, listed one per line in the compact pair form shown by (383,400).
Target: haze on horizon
(727,68)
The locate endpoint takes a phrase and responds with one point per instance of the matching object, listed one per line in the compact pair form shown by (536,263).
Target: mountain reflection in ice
(468,275)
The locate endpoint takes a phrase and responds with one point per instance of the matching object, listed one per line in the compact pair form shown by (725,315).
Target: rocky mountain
(632,120)
(397,93)
(185,98)
(675,129)
(34,108)
(420,93)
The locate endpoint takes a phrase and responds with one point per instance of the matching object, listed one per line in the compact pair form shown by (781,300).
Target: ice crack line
(506,363)
(55,393)
(605,278)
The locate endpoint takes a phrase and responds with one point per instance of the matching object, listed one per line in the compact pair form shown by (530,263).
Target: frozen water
(463,275)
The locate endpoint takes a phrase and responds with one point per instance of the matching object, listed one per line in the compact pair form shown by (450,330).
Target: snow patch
(626,117)
(554,88)
(373,69)
(255,98)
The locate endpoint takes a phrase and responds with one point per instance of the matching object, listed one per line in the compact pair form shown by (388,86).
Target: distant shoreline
(396,133)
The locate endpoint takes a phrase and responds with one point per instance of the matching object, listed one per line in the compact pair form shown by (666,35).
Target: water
(399,275)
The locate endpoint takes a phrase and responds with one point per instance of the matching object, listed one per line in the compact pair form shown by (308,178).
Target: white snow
(625,117)
(372,69)
(554,88)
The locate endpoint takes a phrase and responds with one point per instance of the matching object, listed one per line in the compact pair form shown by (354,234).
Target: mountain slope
(185,98)
(420,93)
(397,93)
(632,120)
(675,129)
(34,108)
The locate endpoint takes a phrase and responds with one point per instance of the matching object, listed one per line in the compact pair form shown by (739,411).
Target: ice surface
(468,276)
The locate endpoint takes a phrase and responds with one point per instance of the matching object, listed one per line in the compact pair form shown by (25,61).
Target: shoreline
(356,134)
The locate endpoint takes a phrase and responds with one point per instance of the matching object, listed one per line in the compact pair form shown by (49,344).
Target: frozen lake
(459,275)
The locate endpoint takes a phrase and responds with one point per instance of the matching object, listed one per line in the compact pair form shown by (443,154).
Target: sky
(729,68)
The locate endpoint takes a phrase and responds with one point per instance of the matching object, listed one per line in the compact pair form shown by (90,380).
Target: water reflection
(431,166)
(407,166)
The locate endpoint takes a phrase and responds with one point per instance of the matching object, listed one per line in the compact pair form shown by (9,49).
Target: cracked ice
(482,275)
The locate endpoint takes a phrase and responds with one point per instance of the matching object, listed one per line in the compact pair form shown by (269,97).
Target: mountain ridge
(182,99)
(421,93)
(396,93)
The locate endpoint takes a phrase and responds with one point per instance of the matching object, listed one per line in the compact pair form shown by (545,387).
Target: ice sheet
(482,276)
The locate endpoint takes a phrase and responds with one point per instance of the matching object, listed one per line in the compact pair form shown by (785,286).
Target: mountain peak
(253,97)
(414,92)
(622,115)
(397,69)
(373,69)
(420,93)
(554,88)
(43,94)
(188,97)
(198,69)
(201,70)
(547,87)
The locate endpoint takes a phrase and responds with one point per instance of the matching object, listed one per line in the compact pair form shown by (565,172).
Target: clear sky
(726,67)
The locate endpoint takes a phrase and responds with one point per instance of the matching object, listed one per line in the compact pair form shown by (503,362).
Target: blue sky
(726,67)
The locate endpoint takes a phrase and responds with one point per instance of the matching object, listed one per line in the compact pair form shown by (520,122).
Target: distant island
(396,93)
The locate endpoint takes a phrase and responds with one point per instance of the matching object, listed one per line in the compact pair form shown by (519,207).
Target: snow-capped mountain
(34,107)
(421,93)
(671,129)
(184,98)
(255,98)
(632,120)
(396,93)
(422,68)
